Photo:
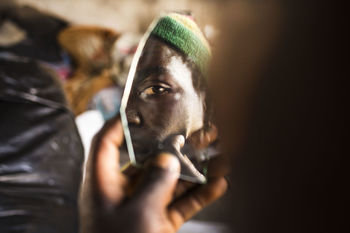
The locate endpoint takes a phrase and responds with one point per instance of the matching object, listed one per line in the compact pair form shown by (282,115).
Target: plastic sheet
(41,154)
(41,32)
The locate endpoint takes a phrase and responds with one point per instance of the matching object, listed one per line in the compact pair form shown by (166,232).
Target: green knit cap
(182,32)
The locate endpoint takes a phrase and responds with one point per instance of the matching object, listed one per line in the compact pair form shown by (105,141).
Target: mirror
(165,106)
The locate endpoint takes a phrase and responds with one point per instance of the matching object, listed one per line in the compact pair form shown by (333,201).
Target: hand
(150,208)
(203,138)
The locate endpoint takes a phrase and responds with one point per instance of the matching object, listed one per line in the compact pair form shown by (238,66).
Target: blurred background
(122,15)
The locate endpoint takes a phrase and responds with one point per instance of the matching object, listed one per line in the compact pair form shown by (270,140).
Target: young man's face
(163,102)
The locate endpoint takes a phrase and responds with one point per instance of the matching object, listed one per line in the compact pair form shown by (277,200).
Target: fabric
(182,32)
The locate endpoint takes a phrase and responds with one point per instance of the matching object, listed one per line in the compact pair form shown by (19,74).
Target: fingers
(182,187)
(108,182)
(190,204)
(219,166)
(202,139)
(159,182)
(173,144)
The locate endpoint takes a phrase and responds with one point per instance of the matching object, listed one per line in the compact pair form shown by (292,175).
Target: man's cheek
(165,104)
(171,111)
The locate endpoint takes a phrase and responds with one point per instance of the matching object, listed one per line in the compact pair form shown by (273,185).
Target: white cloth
(88,123)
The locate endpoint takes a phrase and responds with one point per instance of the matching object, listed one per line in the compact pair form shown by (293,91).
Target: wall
(123,15)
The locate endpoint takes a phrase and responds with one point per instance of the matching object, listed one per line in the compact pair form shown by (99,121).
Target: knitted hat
(182,32)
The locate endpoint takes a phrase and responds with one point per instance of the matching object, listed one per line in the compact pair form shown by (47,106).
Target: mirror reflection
(168,108)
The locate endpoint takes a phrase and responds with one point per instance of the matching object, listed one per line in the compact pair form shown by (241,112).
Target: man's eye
(156,90)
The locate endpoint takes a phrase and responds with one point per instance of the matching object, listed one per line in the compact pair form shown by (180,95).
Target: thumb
(159,182)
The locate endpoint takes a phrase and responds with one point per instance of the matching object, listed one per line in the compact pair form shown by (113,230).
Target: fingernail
(168,162)
(179,142)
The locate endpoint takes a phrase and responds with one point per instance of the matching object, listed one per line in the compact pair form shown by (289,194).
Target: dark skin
(152,199)
(151,206)
(163,103)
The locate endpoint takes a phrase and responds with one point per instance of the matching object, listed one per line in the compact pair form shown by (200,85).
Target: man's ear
(204,137)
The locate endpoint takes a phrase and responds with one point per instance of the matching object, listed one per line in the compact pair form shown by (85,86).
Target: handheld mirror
(165,106)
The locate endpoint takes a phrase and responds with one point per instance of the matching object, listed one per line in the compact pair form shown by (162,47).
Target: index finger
(108,182)
(194,201)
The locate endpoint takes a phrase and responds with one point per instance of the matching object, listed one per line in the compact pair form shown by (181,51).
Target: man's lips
(143,148)
(146,147)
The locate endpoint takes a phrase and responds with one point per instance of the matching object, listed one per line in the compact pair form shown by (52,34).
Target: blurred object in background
(107,101)
(41,155)
(30,34)
(10,34)
(91,50)
(281,81)
(80,55)
(88,124)
(195,226)
(36,33)
(89,46)
(124,15)
(123,54)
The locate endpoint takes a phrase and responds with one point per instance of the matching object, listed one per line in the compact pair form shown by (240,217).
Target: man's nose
(133,117)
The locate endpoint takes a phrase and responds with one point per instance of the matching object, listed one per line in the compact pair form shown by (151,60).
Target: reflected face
(162,101)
